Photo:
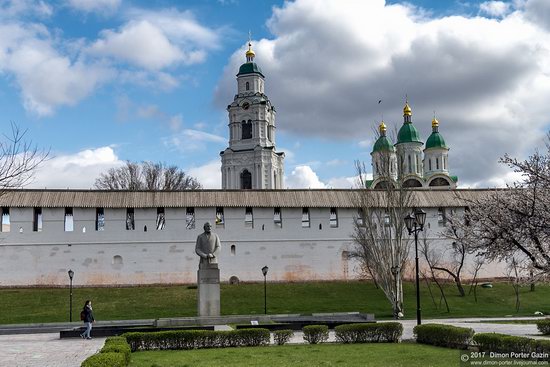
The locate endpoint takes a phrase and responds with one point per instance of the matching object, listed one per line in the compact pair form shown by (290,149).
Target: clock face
(245,106)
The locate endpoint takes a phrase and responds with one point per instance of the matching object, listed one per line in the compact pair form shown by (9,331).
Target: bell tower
(251,161)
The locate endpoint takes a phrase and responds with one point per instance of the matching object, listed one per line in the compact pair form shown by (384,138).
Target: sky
(99,82)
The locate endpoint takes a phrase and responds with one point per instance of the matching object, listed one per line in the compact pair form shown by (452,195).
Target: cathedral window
(247,86)
(410,164)
(417,165)
(37,220)
(437,163)
(161,219)
(246,180)
(247,129)
(6,219)
(190,218)
(333,218)
(277,218)
(248,218)
(130,219)
(305,218)
(430,163)
(99,219)
(69,224)
(220,220)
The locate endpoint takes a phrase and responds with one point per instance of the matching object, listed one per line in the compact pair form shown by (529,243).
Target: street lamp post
(71,274)
(264,271)
(415,223)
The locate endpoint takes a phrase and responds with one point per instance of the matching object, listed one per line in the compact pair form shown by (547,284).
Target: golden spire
(407,109)
(382,128)
(435,123)
(250,54)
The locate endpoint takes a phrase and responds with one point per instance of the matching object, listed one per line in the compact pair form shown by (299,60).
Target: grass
(349,355)
(37,305)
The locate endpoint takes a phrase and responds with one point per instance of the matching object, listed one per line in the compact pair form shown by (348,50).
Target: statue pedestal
(208,285)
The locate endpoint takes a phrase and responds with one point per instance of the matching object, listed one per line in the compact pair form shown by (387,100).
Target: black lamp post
(71,274)
(415,223)
(264,271)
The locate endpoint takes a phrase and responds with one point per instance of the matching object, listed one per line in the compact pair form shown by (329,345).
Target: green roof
(454,178)
(383,144)
(435,141)
(407,134)
(249,68)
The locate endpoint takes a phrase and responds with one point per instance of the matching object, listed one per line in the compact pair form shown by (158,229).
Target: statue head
(207,227)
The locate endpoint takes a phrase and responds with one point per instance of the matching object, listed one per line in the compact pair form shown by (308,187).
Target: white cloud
(101,6)
(484,77)
(303,177)
(11,8)
(189,140)
(77,171)
(495,8)
(209,174)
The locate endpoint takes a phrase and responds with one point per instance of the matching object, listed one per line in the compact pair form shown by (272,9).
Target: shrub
(544,326)
(117,347)
(281,337)
(494,342)
(195,339)
(369,333)
(443,335)
(105,360)
(315,334)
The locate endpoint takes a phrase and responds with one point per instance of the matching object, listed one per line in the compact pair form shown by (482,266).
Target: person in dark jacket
(88,319)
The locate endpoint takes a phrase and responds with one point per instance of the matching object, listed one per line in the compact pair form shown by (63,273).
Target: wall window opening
(387,219)
(305,218)
(333,218)
(220,221)
(360,217)
(247,129)
(248,218)
(161,219)
(441,217)
(247,86)
(99,219)
(190,218)
(37,220)
(130,219)
(6,219)
(233,250)
(69,223)
(277,218)
(246,180)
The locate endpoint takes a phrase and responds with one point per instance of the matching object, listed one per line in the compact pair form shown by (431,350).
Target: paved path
(45,350)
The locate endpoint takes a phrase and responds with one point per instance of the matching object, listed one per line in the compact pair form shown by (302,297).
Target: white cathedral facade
(251,161)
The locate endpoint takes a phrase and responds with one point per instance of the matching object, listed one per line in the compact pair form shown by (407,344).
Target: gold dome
(250,53)
(435,123)
(407,109)
(382,127)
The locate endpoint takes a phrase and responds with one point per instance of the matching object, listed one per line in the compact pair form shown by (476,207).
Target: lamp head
(264,270)
(71,274)
(420,216)
(409,222)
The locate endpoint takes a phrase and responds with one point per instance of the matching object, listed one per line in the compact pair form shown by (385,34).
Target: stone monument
(208,276)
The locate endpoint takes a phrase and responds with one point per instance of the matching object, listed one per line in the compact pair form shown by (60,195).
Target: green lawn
(33,305)
(349,355)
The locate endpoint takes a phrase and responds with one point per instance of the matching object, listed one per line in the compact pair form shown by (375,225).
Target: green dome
(249,68)
(435,141)
(407,134)
(383,144)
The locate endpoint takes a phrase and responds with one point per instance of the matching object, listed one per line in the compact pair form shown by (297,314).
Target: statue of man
(208,247)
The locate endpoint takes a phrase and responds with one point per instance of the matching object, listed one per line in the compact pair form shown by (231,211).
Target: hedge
(315,334)
(443,335)
(281,337)
(384,332)
(494,342)
(544,326)
(105,360)
(195,339)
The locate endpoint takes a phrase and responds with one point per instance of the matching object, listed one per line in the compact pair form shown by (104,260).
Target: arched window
(410,164)
(233,250)
(247,86)
(246,180)
(247,129)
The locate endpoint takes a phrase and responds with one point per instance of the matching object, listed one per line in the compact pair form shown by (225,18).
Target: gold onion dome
(407,109)
(249,52)
(435,123)
(382,127)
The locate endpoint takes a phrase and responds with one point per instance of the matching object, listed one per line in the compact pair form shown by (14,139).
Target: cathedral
(251,161)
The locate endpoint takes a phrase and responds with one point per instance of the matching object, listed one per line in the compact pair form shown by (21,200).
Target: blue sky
(104,81)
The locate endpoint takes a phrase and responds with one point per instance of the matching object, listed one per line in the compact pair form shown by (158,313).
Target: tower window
(277,218)
(130,219)
(410,164)
(37,220)
(333,218)
(437,163)
(247,129)
(161,219)
(99,219)
(69,224)
(6,219)
(246,180)
(190,218)
(220,221)
(417,165)
(247,86)
(430,163)
(305,218)
(248,218)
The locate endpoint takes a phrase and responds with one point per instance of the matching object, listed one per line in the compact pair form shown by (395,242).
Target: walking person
(87,315)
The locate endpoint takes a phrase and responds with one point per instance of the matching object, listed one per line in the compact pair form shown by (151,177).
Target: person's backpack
(82,315)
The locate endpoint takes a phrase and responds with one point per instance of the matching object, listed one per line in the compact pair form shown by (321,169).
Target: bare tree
(516,221)
(146,176)
(513,275)
(381,247)
(433,259)
(18,159)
